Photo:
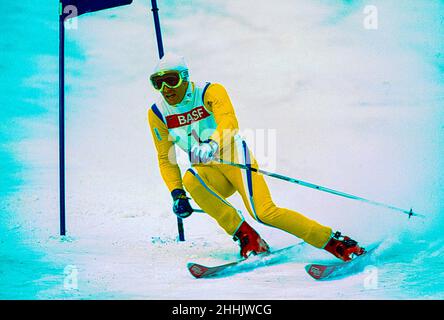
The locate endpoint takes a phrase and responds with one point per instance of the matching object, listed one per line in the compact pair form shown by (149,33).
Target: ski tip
(197,270)
(317,271)
(308,269)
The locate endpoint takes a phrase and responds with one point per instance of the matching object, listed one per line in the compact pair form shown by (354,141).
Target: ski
(263,259)
(340,269)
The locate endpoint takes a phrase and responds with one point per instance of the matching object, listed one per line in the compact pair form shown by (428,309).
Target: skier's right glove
(181,206)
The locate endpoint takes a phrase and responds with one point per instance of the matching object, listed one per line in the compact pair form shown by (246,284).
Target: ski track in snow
(288,67)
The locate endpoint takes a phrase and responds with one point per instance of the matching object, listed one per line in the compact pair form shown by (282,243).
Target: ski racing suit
(206,112)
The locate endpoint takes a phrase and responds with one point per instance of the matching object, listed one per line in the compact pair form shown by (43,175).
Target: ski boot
(250,241)
(343,247)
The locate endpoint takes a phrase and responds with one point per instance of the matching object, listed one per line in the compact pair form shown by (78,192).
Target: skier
(200,120)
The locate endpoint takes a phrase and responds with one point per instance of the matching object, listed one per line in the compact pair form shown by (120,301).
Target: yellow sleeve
(166,153)
(217,101)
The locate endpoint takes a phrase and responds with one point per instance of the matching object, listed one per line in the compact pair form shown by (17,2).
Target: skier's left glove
(181,206)
(204,152)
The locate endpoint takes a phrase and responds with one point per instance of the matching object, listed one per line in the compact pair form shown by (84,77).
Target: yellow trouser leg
(257,199)
(209,189)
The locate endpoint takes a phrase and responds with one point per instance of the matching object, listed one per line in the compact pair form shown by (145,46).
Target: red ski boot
(250,241)
(343,247)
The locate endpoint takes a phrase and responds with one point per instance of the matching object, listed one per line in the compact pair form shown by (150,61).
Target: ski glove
(181,206)
(204,152)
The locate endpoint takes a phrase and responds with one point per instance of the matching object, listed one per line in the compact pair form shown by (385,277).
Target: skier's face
(174,96)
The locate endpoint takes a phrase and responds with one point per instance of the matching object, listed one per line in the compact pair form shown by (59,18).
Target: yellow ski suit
(211,184)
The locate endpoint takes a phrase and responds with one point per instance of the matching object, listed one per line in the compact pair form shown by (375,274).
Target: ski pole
(410,212)
(180,229)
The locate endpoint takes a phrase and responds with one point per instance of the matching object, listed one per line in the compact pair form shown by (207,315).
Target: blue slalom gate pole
(74,8)
(62,121)
(157,28)
(155,11)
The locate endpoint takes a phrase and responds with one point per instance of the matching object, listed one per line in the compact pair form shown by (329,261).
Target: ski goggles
(172,79)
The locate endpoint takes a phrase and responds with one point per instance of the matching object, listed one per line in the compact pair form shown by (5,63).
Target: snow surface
(353,109)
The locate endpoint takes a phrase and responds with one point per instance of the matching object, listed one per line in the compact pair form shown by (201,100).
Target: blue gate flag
(85,6)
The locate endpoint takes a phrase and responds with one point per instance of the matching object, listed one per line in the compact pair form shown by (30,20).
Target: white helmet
(171,61)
